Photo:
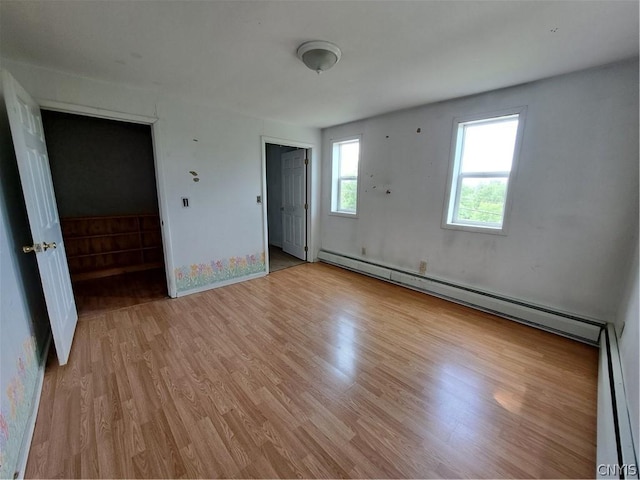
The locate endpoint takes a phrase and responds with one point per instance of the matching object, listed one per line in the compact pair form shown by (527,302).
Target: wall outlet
(423,267)
(185,202)
(364,251)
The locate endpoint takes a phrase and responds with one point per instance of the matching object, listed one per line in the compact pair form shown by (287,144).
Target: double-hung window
(484,157)
(345,160)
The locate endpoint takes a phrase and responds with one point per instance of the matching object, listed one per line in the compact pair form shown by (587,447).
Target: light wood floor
(314,371)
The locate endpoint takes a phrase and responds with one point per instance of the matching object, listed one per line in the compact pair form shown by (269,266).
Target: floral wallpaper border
(14,416)
(199,275)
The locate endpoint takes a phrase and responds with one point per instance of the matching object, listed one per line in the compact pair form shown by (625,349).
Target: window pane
(347,191)
(349,159)
(488,146)
(482,200)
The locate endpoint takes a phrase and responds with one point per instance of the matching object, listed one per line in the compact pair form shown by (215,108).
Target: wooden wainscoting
(315,371)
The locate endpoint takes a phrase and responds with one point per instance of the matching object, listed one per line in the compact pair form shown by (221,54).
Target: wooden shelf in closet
(111,245)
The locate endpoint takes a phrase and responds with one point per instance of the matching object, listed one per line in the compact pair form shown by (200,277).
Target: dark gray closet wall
(274,191)
(100,167)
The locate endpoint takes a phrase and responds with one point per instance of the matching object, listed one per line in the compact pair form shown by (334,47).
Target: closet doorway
(105,186)
(287,204)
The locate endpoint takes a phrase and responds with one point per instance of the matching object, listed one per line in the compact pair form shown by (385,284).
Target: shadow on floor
(100,295)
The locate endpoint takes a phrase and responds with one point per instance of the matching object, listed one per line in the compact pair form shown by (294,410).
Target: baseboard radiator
(582,329)
(616,456)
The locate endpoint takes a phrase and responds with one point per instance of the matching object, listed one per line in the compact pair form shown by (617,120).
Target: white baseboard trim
(31,425)
(586,330)
(616,457)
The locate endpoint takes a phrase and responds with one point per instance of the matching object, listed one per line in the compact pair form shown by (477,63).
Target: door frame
(160,184)
(311,211)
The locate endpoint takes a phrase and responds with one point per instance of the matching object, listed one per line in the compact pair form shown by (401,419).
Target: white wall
(218,237)
(574,216)
(628,341)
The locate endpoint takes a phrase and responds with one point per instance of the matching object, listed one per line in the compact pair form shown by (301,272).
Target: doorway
(104,178)
(287,204)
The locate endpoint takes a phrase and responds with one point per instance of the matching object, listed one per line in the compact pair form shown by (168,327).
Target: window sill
(475,229)
(343,214)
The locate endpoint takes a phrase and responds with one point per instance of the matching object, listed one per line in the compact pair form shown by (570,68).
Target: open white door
(37,187)
(294,214)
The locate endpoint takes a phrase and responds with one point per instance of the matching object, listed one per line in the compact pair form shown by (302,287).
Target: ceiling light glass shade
(318,55)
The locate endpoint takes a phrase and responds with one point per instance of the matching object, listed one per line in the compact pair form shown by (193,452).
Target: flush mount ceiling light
(319,56)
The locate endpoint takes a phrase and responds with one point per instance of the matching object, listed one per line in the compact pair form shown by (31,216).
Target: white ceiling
(241,55)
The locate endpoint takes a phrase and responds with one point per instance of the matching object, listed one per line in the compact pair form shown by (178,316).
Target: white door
(37,188)
(294,215)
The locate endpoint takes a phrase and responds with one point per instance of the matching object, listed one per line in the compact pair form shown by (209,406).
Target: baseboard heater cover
(568,325)
(616,455)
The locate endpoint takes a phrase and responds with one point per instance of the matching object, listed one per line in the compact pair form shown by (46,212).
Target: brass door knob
(47,246)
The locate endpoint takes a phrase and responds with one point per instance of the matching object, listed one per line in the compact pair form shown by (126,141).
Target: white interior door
(294,215)
(35,175)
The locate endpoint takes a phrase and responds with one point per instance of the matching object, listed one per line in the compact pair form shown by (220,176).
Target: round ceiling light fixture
(318,55)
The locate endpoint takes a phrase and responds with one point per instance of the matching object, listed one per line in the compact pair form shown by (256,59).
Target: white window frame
(335,176)
(455,177)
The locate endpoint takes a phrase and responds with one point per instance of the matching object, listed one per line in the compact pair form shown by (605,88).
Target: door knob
(36,247)
(47,246)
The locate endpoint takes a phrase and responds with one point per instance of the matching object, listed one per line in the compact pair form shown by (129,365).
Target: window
(344,180)
(483,161)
